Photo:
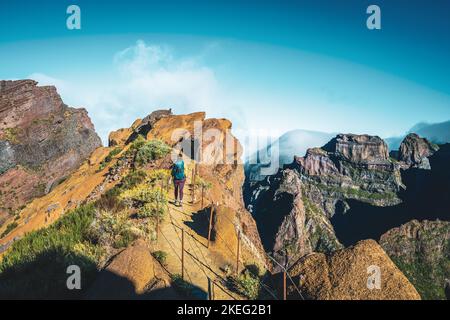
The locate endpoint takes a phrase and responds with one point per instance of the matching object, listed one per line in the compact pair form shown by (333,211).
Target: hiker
(179,178)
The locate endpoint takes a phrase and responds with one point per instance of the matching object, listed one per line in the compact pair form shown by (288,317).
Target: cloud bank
(144,78)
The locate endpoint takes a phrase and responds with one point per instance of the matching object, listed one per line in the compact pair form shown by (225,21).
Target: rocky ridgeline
(42,140)
(293,208)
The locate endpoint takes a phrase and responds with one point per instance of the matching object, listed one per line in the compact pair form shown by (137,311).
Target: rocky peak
(23,101)
(353,166)
(42,140)
(139,127)
(358,148)
(414,151)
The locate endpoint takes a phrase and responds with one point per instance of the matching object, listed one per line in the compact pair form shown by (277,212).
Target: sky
(268,66)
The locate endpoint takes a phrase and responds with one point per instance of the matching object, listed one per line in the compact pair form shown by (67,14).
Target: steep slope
(422,251)
(41,142)
(347,275)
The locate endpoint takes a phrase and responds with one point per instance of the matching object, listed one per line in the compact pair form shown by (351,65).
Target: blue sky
(277,65)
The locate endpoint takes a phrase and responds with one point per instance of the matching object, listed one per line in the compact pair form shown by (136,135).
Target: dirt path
(199,262)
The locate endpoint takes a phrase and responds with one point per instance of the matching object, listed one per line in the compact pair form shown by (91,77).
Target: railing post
(203,194)
(211,212)
(210,289)
(182,254)
(193,185)
(238,251)
(284,286)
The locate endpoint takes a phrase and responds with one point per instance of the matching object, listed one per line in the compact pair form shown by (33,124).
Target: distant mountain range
(292,143)
(296,142)
(435,132)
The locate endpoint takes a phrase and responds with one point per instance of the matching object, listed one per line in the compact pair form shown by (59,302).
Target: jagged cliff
(41,141)
(352,185)
(295,205)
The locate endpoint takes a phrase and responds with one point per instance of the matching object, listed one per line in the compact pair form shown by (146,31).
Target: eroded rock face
(293,207)
(41,141)
(351,274)
(290,224)
(422,251)
(414,151)
(358,148)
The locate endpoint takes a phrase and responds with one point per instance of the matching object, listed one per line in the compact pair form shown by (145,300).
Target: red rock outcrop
(41,141)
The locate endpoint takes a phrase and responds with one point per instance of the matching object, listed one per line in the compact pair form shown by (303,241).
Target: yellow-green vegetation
(202,183)
(322,237)
(423,276)
(158,176)
(10,227)
(150,202)
(11,134)
(161,256)
(356,193)
(113,229)
(246,283)
(35,266)
(132,179)
(148,151)
(109,157)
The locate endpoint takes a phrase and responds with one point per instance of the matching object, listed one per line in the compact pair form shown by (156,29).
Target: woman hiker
(179,178)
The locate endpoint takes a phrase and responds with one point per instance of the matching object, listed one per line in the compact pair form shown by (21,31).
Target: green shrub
(35,266)
(151,202)
(113,229)
(158,177)
(138,143)
(109,157)
(202,183)
(247,283)
(10,227)
(110,201)
(161,256)
(133,178)
(151,150)
(125,238)
(185,288)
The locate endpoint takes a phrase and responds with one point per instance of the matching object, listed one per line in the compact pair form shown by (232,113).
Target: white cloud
(144,78)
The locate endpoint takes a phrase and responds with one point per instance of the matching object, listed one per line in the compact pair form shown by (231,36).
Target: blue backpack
(178,170)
